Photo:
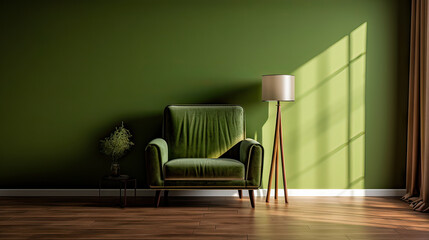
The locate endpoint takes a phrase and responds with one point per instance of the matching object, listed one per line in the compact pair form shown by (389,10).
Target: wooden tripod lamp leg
(276,191)
(271,171)
(283,160)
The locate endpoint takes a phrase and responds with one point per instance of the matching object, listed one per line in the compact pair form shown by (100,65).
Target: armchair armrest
(156,154)
(252,155)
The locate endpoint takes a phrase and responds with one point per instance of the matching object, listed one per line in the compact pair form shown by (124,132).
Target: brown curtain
(418,110)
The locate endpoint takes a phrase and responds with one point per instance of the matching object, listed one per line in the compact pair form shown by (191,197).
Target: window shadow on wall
(324,129)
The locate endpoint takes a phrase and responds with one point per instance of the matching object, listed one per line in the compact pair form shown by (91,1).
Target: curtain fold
(418,110)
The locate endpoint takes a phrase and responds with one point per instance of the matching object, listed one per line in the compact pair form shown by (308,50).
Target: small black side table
(122,180)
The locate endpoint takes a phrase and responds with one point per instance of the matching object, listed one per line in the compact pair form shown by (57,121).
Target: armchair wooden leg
(240,194)
(157,198)
(252,198)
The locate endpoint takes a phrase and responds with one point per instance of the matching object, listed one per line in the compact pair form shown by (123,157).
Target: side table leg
(99,191)
(125,193)
(120,193)
(135,190)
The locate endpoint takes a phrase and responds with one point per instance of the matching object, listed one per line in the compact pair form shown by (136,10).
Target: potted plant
(116,146)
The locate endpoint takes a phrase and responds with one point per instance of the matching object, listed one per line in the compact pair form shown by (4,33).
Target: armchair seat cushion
(207,169)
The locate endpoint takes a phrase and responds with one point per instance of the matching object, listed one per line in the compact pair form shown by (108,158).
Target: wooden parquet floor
(211,218)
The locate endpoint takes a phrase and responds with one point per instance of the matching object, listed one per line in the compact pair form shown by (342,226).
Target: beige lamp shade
(278,88)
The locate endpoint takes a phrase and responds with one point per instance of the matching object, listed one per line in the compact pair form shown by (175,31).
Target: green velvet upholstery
(201,131)
(204,169)
(204,147)
(230,184)
(252,154)
(156,154)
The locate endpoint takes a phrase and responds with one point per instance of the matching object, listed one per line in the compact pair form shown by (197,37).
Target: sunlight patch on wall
(324,129)
(357,68)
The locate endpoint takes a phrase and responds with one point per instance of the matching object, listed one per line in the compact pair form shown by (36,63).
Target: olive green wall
(72,70)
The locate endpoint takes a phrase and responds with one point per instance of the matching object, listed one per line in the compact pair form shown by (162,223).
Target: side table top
(118,178)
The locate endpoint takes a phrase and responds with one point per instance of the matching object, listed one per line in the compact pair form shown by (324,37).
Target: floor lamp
(279,88)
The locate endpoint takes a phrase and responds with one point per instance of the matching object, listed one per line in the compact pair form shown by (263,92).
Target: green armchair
(204,147)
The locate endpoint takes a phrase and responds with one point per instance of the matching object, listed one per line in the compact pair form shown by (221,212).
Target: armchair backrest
(202,131)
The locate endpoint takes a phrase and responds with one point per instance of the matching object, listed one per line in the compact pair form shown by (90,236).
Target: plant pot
(115,169)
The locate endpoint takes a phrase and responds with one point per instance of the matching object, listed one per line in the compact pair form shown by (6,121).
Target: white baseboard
(197,193)
(347,192)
